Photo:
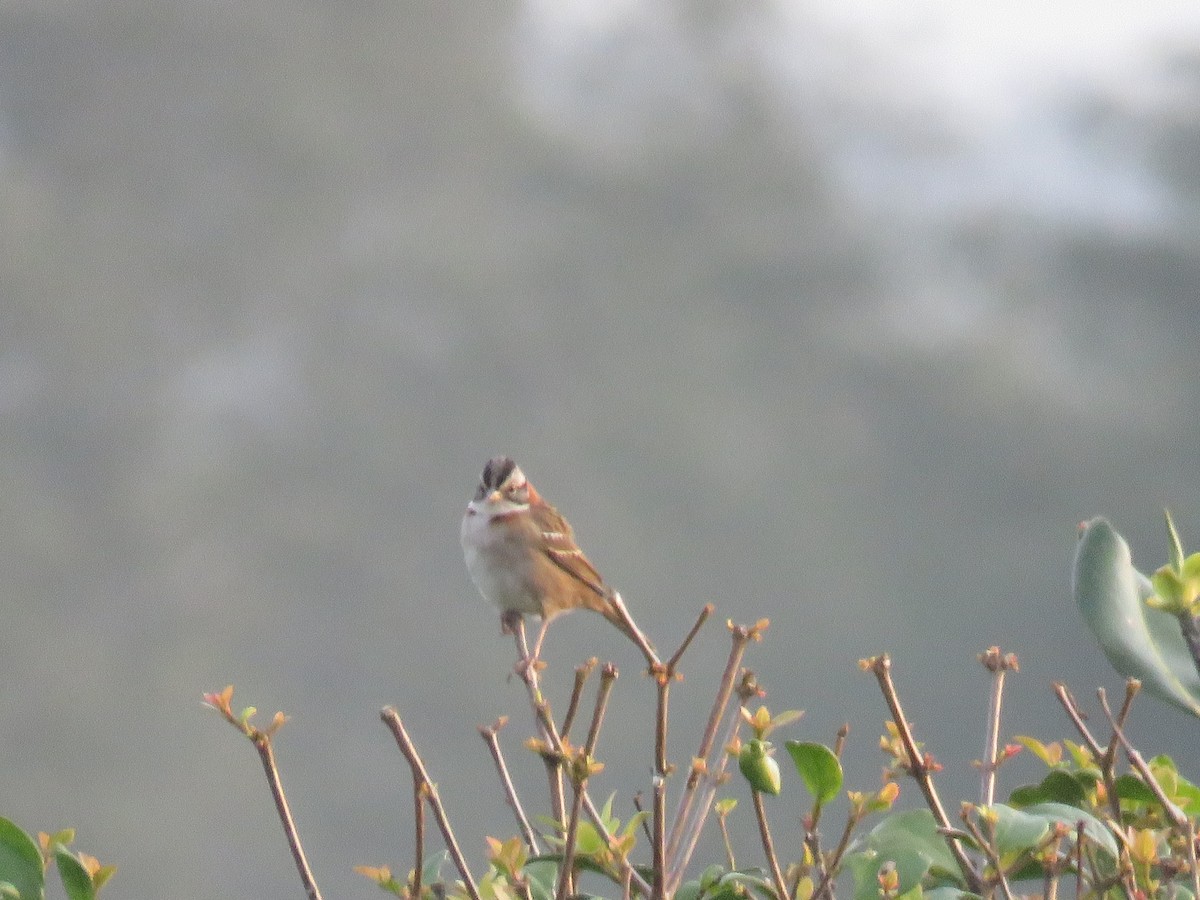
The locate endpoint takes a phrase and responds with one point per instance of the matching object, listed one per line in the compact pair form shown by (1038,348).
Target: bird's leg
(537,645)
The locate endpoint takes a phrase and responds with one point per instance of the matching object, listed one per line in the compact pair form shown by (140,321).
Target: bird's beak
(495,497)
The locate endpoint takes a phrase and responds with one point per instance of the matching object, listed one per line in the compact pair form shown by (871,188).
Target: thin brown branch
(581,770)
(824,888)
(617,605)
(1071,707)
(723,824)
(419,834)
(582,673)
(566,874)
(839,742)
(491,737)
(392,720)
(660,837)
(881,667)
(637,804)
(740,639)
(999,665)
(1132,688)
(988,845)
(713,776)
(554,755)
(1174,813)
(1080,834)
(673,662)
(266,753)
(764,832)
(1192,861)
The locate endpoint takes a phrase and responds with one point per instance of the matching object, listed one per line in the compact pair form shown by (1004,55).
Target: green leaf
(21,861)
(1176,544)
(1131,788)
(730,886)
(819,768)
(1018,831)
(947,892)
(1140,642)
(1071,816)
(543,878)
(1063,787)
(910,840)
(75,878)
(431,866)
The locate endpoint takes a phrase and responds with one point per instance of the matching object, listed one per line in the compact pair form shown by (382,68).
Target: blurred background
(839,313)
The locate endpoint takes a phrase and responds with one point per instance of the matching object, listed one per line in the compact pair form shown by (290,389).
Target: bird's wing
(558,543)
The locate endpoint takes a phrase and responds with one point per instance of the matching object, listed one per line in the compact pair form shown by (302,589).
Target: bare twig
(554,755)
(713,776)
(1080,834)
(582,673)
(740,639)
(659,827)
(988,844)
(673,662)
(664,676)
(999,665)
(419,835)
(1192,861)
(764,831)
(824,888)
(222,701)
(491,737)
(581,770)
(1174,813)
(637,804)
(392,720)
(617,605)
(1132,688)
(1077,719)
(919,768)
(723,824)
(266,753)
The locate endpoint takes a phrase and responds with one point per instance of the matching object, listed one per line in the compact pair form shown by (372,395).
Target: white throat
(493,509)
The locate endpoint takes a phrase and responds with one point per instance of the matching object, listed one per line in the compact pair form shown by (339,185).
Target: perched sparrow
(522,555)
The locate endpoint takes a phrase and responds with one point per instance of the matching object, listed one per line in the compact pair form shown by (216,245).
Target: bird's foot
(526,664)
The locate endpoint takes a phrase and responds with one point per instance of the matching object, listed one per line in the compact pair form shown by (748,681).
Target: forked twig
(1177,816)
(683,810)
(881,667)
(261,739)
(999,665)
(713,775)
(392,720)
(582,673)
(556,754)
(581,770)
(617,605)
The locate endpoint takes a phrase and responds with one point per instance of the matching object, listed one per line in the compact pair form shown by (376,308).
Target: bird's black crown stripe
(497,470)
